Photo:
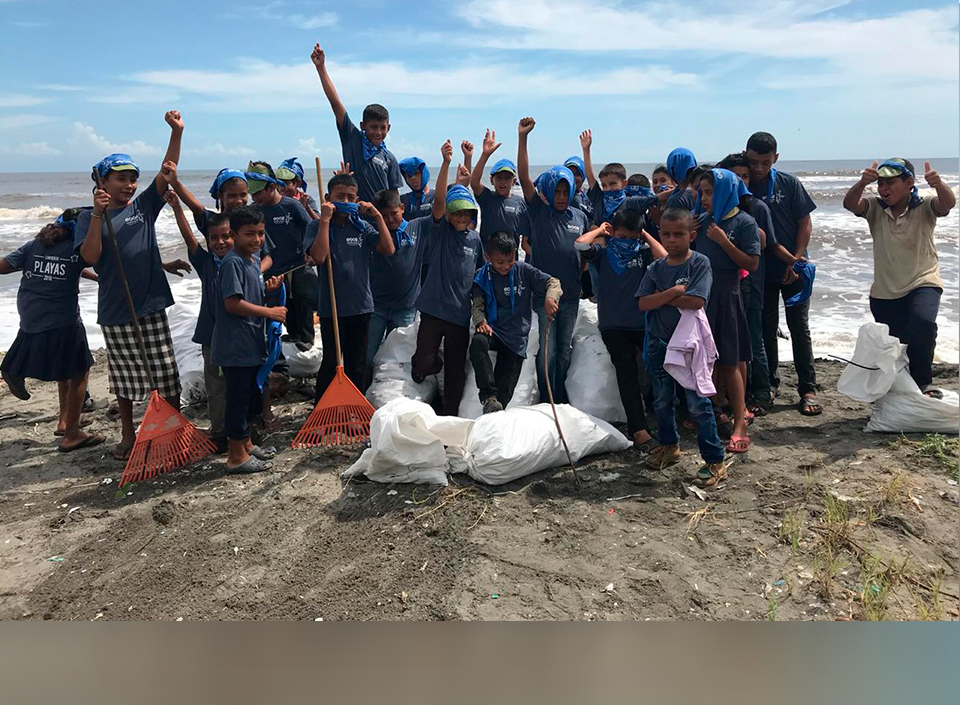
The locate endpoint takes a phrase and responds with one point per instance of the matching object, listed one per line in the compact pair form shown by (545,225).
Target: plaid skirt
(125,367)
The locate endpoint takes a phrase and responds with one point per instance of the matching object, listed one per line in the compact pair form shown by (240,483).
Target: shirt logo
(574,229)
(133,219)
(681,280)
(284,219)
(509,209)
(380,162)
(777,197)
(469,251)
(518,288)
(353,241)
(48,268)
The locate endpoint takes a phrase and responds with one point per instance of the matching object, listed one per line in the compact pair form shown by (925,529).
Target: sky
(830,79)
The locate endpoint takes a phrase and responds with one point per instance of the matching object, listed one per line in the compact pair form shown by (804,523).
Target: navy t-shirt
(48,295)
(395,280)
(382,171)
(513,327)
(686,199)
(286,226)
(134,226)
(205,265)
(695,273)
(499,213)
(616,298)
(552,236)
(239,341)
(742,231)
(424,208)
(453,259)
(203,225)
(789,203)
(350,255)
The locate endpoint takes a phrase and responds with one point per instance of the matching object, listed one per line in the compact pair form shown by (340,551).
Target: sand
(818,521)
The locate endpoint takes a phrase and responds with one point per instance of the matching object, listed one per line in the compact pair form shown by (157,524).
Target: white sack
(876,348)
(592,380)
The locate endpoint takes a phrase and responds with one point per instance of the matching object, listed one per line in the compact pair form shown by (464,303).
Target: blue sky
(829,79)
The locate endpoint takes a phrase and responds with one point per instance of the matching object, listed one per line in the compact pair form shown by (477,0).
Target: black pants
(244,401)
(626,350)
(427,361)
(353,341)
(913,319)
(798,323)
(301,304)
(496,382)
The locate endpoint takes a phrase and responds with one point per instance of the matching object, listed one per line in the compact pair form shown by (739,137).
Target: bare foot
(122,450)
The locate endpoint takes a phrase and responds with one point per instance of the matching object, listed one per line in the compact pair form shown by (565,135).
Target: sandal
(83,424)
(710,475)
(809,405)
(122,452)
(645,447)
(94,439)
(251,465)
(724,428)
(259,453)
(757,409)
(738,444)
(932,392)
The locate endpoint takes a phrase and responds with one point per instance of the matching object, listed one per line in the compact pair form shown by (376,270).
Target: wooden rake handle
(553,408)
(333,292)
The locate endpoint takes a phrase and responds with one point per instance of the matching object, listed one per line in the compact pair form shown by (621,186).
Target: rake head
(341,417)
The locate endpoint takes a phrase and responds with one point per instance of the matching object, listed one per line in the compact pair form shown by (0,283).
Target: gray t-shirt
(239,341)
(552,236)
(513,326)
(380,172)
(286,225)
(499,213)
(413,210)
(789,203)
(48,294)
(350,251)
(453,259)
(742,231)
(395,280)
(695,273)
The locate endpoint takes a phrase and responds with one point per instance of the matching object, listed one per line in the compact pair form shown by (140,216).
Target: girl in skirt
(52,343)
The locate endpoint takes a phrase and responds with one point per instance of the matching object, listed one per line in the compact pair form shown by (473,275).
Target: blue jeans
(382,321)
(699,408)
(561,342)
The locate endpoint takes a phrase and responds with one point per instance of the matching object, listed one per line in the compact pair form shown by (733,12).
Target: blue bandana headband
(728,189)
(113,161)
(295,168)
(409,167)
(901,168)
(679,163)
(578,163)
(484,279)
(549,180)
(222,177)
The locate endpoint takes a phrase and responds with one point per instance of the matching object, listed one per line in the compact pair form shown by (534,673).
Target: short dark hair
(502,242)
(613,169)
(678,215)
(738,159)
(52,233)
(245,215)
(762,143)
(628,219)
(387,198)
(375,111)
(215,219)
(638,180)
(263,165)
(341,180)
(662,169)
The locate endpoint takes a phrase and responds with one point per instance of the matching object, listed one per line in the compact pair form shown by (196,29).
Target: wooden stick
(553,408)
(333,292)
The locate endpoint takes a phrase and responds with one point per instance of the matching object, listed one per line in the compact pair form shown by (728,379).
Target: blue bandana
(484,279)
(679,162)
(576,162)
(549,180)
(409,167)
(621,251)
(112,161)
(771,183)
(614,199)
(915,198)
(274,346)
(295,168)
(352,210)
(504,165)
(369,149)
(68,219)
(222,177)
(728,189)
(401,235)
(266,178)
(807,272)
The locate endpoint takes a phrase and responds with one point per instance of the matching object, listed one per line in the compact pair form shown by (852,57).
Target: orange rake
(342,416)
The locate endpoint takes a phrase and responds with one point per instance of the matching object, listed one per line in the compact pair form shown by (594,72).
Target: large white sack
(882,352)
(182,318)
(408,443)
(905,409)
(391,369)
(526,393)
(592,380)
(304,364)
(511,444)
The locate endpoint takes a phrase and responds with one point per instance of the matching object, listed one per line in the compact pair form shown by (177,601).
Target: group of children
(695,258)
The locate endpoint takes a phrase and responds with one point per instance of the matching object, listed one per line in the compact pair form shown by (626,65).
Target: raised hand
(467,148)
(168,171)
(446,151)
(870,174)
(463,175)
(101,200)
(367,208)
(317,56)
(173,119)
(586,139)
(526,125)
(344,169)
(170,196)
(327,209)
(490,144)
(932,177)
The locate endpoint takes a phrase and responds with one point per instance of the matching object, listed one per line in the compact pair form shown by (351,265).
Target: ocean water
(840,247)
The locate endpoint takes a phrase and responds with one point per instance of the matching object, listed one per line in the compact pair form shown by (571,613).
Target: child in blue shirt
(418,202)
(239,340)
(621,264)
(348,240)
(290,174)
(454,254)
(578,168)
(500,209)
(364,149)
(553,227)
(51,344)
(681,280)
(502,308)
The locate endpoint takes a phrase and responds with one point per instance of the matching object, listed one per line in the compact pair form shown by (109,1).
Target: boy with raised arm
(500,209)
(364,149)
(907,286)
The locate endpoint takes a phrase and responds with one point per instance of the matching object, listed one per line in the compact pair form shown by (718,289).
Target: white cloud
(282,12)
(219,150)
(61,87)
(20,120)
(20,100)
(86,137)
(128,95)
(32,149)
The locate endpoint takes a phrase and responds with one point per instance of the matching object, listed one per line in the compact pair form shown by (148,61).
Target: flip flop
(932,392)
(251,465)
(810,406)
(268,453)
(90,441)
(738,444)
(83,424)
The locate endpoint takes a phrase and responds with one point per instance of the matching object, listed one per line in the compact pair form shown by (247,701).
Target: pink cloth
(691,353)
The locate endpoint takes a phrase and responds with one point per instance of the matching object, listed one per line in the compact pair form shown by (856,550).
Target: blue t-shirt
(424,208)
(382,171)
(616,296)
(239,341)
(203,225)
(552,236)
(453,259)
(513,327)
(286,226)
(48,294)
(350,255)
(742,231)
(205,265)
(499,213)
(395,280)
(136,233)
(695,273)
(788,204)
